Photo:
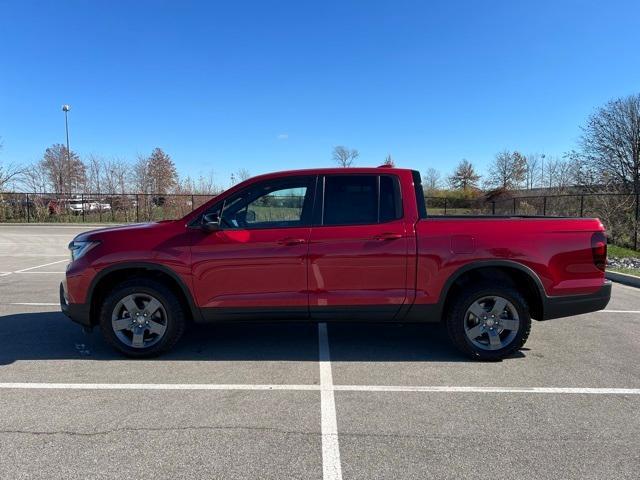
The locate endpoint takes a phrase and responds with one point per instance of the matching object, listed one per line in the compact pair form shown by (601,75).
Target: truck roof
(334,170)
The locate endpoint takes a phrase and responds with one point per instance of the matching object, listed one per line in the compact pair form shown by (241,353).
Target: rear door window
(361,199)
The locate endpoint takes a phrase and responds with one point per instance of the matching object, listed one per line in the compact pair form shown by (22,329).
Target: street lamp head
(66,108)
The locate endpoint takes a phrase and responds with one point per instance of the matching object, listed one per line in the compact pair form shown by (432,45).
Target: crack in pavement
(157,429)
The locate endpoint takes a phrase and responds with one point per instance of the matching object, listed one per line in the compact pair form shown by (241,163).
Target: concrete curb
(623,278)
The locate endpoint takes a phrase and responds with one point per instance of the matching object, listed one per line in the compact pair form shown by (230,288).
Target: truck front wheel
(488,322)
(142,318)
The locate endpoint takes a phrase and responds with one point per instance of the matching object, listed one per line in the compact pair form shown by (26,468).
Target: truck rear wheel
(142,318)
(488,322)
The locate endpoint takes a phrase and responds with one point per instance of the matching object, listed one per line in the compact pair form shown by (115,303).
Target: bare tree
(95,173)
(464,177)
(611,141)
(142,181)
(431,180)
(344,156)
(533,173)
(9,172)
(35,179)
(243,174)
(507,171)
(388,161)
(117,176)
(65,171)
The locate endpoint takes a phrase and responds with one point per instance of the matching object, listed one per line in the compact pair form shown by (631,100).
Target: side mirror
(210,222)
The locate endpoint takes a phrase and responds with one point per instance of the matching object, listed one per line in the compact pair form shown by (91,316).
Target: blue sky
(275,85)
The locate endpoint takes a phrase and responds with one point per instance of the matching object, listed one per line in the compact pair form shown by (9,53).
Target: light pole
(65,109)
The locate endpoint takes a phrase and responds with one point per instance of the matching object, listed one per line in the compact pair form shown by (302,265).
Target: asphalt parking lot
(306,401)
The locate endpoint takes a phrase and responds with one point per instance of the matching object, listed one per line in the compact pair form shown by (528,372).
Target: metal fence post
(514,205)
(493,207)
(83,206)
(445,205)
(137,209)
(635,228)
(582,205)
(193,205)
(28,210)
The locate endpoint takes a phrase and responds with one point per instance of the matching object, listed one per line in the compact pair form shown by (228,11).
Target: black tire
(175,321)
(456,318)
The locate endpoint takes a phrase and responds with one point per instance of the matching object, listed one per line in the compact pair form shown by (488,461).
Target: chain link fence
(619,212)
(95,208)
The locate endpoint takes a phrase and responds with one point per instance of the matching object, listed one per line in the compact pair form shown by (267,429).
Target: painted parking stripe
(152,386)
(39,266)
(454,389)
(40,271)
(321,388)
(34,304)
(28,269)
(29,255)
(331,467)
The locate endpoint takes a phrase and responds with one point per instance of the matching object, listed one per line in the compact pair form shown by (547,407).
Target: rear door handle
(290,241)
(388,236)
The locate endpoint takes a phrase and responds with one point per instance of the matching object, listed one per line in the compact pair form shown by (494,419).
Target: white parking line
(39,266)
(41,271)
(453,389)
(28,270)
(151,386)
(28,255)
(322,388)
(33,304)
(331,467)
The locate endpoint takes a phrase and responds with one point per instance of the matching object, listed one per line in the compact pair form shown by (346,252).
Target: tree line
(606,159)
(63,172)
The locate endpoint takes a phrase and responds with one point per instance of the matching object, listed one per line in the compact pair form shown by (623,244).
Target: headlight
(78,249)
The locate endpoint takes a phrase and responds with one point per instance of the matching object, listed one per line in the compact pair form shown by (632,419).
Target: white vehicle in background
(79,205)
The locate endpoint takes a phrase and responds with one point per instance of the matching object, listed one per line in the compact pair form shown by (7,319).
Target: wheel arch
(110,276)
(523,278)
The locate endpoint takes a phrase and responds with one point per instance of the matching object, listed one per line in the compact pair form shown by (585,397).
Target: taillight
(599,250)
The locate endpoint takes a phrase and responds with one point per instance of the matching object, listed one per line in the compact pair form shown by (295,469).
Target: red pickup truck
(351,244)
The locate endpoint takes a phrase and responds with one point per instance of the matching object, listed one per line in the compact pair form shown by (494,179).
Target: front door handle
(290,241)
(388,236)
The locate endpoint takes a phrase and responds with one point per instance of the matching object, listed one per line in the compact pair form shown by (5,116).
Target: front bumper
(566,306)
(78,312)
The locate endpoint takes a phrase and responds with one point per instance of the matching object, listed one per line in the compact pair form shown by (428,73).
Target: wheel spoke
(122,324)
(477,310)
(475,332)
(130,304)
(153,306)
(498,306)
(157,328)
(138,338)
(510,324)
(494,340)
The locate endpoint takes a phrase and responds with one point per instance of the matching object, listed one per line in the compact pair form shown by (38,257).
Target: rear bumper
(78,312)
(557,307)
